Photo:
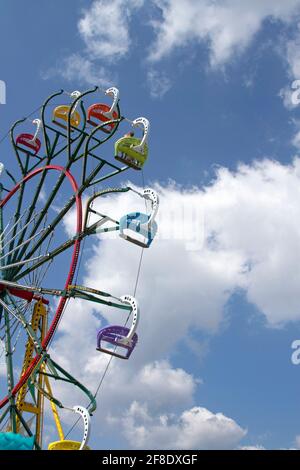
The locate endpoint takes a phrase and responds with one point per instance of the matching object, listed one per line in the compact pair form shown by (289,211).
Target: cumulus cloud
(173,268)
(196,428)
(224,28)
(239,232)
(147,404)
(250,241)
(256,447)
(227,27)
(81,69)
(104,28)
(255,218)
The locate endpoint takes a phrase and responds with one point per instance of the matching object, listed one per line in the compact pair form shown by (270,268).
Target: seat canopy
(13,441)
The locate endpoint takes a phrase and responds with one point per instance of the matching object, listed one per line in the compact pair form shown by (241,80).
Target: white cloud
(256,217)
(227,27)
(159,378)
(251,241)
(256,447)
(196,428)
(159,84)
(79,69)
(156,387)
(147,377)
(154,382)
(104,28)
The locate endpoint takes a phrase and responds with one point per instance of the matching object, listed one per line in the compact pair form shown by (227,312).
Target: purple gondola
(120,336)
(115,335)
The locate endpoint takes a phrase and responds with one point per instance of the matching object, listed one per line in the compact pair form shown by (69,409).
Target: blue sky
(214,82)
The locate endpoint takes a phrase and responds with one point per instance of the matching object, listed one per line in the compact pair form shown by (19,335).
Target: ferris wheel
(59,160)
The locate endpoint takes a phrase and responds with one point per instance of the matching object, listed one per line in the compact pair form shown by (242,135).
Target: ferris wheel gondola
(100,112)
(31,141)
(131,150)
(61,113)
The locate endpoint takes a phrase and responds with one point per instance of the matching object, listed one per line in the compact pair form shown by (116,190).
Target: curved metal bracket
(83,412)
(38,123)
(145,124)
(152,196)
(75,94)
(65,376)
(130,300)
(114,92)
(94,226)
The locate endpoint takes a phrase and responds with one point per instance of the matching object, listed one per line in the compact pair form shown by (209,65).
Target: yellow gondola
(66,445)
(61,113)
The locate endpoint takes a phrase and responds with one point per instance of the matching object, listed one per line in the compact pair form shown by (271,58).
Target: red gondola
(99,112)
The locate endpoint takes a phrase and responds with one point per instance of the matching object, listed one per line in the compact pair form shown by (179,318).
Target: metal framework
(56,165)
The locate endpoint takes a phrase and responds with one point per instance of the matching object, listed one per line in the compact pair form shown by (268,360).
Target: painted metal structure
(61,158)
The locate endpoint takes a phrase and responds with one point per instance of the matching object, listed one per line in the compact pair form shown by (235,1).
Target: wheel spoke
(22,244)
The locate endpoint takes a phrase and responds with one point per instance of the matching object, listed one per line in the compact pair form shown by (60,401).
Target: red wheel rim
(74,260)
